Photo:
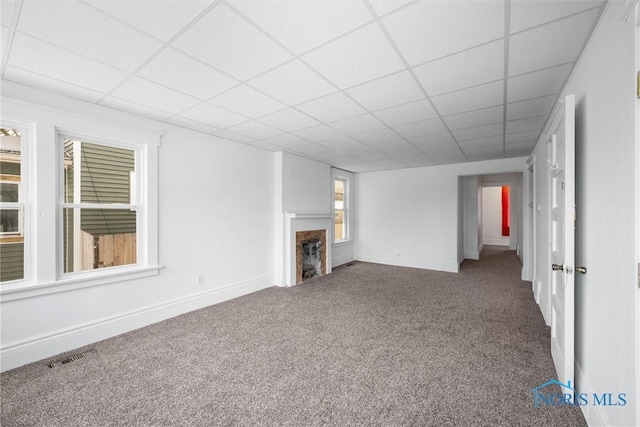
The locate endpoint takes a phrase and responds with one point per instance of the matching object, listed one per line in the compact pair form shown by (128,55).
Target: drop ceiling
(362,85)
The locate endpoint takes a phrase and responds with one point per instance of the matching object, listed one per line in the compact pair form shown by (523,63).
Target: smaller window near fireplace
(311,259)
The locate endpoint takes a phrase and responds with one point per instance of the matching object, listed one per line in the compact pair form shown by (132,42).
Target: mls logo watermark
(568,396)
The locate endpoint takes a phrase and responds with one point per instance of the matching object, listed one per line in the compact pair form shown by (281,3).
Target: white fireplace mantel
(304,221)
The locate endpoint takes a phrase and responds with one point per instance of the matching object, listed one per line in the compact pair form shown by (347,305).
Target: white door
(562,191)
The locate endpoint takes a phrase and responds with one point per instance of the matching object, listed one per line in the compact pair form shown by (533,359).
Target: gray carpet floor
(370,345)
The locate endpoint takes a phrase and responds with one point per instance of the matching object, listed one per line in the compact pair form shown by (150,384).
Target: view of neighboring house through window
(99,210)
(11,206)
(340,210)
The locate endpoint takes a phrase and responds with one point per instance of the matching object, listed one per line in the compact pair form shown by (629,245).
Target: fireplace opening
(311,254)
(311,259)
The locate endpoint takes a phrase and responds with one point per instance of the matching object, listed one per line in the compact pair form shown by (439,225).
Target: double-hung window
(99,211)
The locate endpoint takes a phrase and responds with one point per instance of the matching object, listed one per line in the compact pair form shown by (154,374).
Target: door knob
(582,270)
(556,267)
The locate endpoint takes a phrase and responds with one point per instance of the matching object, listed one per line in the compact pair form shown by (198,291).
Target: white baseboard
(496,242)
(36,348)
(427,264)
(343,259)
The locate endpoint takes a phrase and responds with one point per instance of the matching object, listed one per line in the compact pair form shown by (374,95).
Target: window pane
(340,229)
(106,173)
(11,216)
(98,238)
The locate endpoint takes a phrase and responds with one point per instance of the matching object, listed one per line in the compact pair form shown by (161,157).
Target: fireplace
(315,230)
(311,254)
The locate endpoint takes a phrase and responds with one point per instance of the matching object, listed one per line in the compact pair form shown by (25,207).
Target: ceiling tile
(286,141)
(432,149)
(292,83)
(388,146)
(289,120)
(407,113)
(331,108)
(383,7)
(386,92)
(425,127)
(50,61)
(247,101)
(84,30)
(161,19)
(474,118)
(304,25)
(538,83)
(481,142)
(513,138)
(448,157)
(431,29)
(479,153)
(340,142)
(356,58)
(530,108)
(254,129)
(6,12)
(479,132)
(439,139)
(358,124)
(469,68)
(310,149)
(135,108)
(319,133)
(192,124)
(474,98)
(29,78)
(525,125)
(213,115)
(153,95)
(229,43)
(544,41)
(406,154)
(232,136)
(527,14)
(181,72)
(378,136)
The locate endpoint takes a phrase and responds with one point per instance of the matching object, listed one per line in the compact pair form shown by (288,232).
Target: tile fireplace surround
(301,227)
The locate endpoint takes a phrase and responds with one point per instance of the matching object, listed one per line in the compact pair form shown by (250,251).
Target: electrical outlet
(199,279)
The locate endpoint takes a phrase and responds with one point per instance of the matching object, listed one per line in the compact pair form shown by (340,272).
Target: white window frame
(345,209)
(134,205)
(23,203)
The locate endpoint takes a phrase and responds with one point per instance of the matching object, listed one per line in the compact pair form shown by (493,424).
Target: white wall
(606,331)
(409,217)
(215,215)
(472,219)
(492,217)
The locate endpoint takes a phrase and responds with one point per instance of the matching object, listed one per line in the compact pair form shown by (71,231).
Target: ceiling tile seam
(126,24)
(458,52)
(410,70)
(467,88)
(537,70)
(575,63)
(164,46)
(505,88)
(17,9)
(553,21)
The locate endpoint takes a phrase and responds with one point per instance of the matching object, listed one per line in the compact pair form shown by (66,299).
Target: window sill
(343,242)
(22,290)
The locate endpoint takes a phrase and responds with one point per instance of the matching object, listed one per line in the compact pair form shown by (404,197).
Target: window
(340,209)
(99,211)
(12,252)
